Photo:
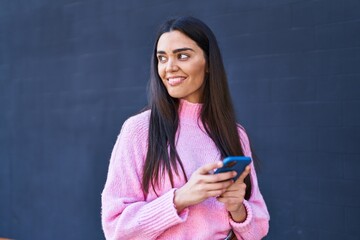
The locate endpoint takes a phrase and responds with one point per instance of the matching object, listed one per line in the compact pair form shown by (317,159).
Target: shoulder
(244,140)
(136,126)
(242,131)
(139,120)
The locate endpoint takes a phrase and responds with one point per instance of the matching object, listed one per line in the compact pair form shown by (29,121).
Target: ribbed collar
(189,112)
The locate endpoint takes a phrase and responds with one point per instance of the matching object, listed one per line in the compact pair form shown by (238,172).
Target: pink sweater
(127,214)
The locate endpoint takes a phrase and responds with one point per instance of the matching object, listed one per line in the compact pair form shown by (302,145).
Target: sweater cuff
(162,212)
(243,226)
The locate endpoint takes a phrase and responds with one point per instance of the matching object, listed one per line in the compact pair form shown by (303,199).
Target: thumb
(244,173)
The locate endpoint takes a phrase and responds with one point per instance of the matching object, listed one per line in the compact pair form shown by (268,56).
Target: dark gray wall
(72,71)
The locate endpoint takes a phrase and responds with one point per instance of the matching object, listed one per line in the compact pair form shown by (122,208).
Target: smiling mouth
(174,81)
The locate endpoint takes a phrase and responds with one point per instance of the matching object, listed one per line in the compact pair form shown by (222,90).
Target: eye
(161,58)
(183,56)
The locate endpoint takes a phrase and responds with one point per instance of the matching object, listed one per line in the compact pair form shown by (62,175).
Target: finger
(214,193)
(218,186)
(230,203)
(234,193)
(219,177)
(221,199)
(228,199)
(244,174)
(205,169)
(236,187)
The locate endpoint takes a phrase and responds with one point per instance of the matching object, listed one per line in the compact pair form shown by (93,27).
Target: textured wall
(72,71)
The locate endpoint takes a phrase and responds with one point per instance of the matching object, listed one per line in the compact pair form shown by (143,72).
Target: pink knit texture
(127,214)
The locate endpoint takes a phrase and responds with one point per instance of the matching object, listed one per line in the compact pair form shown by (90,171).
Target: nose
(171,66)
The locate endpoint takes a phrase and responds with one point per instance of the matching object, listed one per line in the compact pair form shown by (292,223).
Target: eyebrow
(177,50)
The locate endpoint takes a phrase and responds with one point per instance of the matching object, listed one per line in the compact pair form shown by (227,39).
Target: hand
(202,186)
(234,196)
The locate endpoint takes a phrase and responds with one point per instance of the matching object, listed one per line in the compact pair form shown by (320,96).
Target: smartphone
(234,163)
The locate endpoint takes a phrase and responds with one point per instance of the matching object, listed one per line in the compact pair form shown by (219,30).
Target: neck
(189,112)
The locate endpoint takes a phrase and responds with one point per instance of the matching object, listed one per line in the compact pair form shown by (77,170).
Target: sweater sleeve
(256,225)
(125,212)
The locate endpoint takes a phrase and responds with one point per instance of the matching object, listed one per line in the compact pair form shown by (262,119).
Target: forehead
(173,40)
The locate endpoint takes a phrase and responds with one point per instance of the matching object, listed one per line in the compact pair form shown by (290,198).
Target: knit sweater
(128,214)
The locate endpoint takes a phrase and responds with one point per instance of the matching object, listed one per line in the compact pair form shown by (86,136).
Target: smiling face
(181,66)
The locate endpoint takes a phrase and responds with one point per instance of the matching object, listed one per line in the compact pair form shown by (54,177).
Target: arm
(256,224)
(125,212)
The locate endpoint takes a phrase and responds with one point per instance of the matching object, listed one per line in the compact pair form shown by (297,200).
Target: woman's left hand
(234,196)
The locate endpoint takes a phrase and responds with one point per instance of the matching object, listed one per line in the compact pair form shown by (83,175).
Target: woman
(160,183)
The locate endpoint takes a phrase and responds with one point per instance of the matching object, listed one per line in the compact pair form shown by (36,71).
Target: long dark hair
(217,113)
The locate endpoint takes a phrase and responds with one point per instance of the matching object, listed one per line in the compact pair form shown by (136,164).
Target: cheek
(160,71)
(199,71)
(162,75)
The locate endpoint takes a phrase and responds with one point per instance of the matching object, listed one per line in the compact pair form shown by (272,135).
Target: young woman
(160,183)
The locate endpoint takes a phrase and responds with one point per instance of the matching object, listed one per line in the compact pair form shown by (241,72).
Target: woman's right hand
(203,185)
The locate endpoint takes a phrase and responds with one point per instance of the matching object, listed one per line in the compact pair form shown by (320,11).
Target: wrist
(240,215)
(178,202)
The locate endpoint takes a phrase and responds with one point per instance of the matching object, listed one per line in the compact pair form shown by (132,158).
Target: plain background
(72,71)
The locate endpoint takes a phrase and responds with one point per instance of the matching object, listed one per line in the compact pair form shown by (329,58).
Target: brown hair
(217,114)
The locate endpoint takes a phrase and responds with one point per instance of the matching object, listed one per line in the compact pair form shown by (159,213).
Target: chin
(174,95)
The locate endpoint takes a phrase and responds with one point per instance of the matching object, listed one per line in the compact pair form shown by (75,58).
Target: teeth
(177,80)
